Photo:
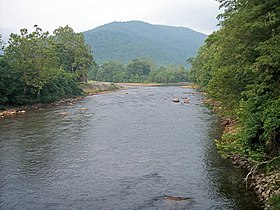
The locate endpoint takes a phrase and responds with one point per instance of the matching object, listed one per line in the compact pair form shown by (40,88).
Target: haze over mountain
(125,41)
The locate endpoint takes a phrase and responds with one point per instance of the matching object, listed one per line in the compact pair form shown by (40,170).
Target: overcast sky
(82,15)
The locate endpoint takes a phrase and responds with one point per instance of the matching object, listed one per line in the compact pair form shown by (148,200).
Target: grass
(274,201)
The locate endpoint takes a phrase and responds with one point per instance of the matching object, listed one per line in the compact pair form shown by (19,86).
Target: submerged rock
(176,198)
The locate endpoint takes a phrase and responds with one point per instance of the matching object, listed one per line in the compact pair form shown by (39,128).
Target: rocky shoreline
(23,109)
(265,185)
(92,88)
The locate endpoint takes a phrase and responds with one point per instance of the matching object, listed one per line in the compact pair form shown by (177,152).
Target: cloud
(197,14)
(87,14)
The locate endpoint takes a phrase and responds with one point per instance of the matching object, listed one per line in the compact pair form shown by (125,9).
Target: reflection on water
(128,150)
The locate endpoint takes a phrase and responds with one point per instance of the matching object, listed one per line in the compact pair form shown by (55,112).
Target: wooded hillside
(125,41)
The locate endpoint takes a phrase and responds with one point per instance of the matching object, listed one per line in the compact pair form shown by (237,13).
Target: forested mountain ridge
(125,41)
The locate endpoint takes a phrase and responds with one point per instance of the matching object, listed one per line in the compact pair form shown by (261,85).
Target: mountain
(125,41)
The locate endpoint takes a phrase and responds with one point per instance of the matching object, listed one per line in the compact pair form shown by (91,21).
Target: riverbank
(90,88)
(262,176)
(126,84)
(123,84)
(94,87)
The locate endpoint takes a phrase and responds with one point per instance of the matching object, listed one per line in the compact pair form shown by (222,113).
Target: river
(128,149)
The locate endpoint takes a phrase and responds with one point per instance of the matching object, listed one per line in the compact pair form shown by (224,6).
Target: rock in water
(63,113)
(176,198)
(176,100)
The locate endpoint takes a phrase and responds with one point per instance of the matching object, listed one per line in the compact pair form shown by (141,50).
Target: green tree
(2,44)
(31,70)
(111,71)
(239,66)
(140,67)
(32,56)
(10,83)
(74,55)
(168,74)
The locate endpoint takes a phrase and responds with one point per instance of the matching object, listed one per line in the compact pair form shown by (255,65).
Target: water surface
(128,150)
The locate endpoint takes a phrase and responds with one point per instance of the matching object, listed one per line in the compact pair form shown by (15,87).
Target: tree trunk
(24,90)
(38,92)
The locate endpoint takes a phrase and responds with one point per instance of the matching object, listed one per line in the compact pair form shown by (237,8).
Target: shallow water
(128,150)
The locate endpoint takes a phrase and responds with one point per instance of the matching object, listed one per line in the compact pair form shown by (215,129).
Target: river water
(128,149)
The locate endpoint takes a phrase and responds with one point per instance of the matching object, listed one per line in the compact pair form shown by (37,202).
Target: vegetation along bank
(37,67)
(239,68)
(40,68)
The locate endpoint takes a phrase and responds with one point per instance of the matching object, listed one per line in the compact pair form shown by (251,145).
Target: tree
(239,66)
(31,69)
(9,82)
(140,67)
(2,44)
(74,55)
(32,56)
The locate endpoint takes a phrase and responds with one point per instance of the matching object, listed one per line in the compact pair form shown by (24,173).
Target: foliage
(169,74)
(39,68)
(111,71)
(139,67)
(230,145)
(73,53)
(32,56)
(125,41)
(10,83)
(1,43)
(138,70)
(239,67)
(274,201)
(64,85)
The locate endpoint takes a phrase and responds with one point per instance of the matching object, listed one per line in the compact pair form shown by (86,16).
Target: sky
(83,15)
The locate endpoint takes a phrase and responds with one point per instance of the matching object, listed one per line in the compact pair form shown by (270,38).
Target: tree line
(37,67)
(138,70)
(239,66)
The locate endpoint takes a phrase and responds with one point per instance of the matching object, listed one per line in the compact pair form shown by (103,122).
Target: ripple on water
(118,151)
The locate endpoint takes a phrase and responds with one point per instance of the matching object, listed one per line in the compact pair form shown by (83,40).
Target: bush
(274,201)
